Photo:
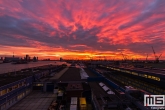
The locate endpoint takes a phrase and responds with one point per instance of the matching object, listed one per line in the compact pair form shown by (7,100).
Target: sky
(82,29)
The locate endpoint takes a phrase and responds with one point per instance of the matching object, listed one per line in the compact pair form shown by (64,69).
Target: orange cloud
(82,28)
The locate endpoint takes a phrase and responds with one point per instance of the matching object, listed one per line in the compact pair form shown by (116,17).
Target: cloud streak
(83,27)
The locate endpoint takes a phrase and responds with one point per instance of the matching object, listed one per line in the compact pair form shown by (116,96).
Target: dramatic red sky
(82,28)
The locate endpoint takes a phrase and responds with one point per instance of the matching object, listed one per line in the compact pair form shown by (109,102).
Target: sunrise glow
(82,29)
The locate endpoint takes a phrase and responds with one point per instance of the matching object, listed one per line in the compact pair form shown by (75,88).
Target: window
(9,89)
(134,73)
(24,83)
(20,84)
(149,76)
(145,75)
(39,84)
(157,78)
(3,91)
(15,87)
(153,77)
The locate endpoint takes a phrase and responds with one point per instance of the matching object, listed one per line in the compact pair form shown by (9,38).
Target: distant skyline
(80,29)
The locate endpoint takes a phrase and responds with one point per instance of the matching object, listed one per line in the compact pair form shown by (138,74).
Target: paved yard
(35,101)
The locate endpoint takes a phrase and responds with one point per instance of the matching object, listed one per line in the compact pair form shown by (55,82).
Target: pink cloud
(84,25)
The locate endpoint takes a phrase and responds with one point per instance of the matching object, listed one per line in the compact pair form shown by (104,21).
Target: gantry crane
(104,58)
(147,58)
(156,57)
(90,57)
(124,57)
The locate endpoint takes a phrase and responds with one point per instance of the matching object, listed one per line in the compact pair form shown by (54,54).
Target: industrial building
(16,85)
(149,80)
(99,92)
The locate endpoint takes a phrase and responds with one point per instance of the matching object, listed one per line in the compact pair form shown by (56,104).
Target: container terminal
(82,85)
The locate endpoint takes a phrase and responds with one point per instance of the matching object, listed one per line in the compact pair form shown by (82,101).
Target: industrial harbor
(80,85)
(82,55)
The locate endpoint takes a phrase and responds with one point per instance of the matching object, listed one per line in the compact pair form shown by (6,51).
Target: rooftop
(11,77)
(72,74)
(74,86)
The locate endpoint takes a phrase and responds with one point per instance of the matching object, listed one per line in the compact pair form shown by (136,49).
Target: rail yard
(83,85)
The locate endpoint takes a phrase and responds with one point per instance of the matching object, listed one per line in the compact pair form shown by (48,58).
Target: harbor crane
(114,58)
(156,57)
(99,58)
(147,58)
(90,57)
(104,58)
(124,57)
